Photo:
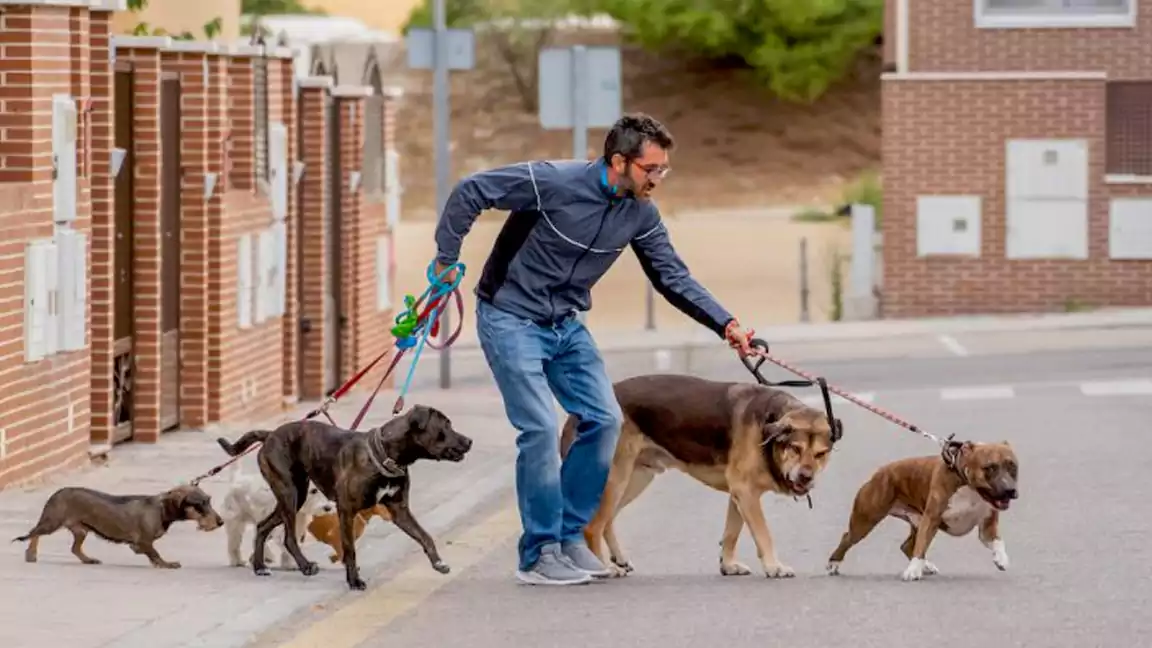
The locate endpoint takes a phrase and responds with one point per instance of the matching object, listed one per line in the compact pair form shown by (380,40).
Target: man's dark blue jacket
(565,229)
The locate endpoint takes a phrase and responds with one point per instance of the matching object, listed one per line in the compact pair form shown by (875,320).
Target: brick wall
(943,37)
(53,409)
(314,268)
(44,405)
(947,134)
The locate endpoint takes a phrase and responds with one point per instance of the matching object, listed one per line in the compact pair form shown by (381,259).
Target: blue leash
(438,288)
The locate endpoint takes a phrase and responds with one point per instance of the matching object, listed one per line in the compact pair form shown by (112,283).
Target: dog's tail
(567,435)
(23,538)
(244,442)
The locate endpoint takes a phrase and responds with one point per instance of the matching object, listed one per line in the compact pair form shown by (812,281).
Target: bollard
(649,307)
(804,316)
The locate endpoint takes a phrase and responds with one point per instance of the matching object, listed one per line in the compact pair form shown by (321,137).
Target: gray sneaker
(582,558)
(553,569)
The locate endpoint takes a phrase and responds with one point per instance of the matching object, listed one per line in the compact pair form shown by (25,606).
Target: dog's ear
(776,431)
(173,503)
(419,417)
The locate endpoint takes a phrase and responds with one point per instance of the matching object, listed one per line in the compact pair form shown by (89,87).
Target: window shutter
(266,299)
(37,298)
(52,279)
(278,163)
(244,281)
(64,127)
(383,273)
(280,231)
(71,247)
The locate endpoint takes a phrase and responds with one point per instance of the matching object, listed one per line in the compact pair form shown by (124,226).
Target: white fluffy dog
(249,500)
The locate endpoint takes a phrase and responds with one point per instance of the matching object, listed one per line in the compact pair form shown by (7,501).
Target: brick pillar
(314,97)
(216,120)
(283,79)
(100,121)
(355,259)
(187,59)
(241,125)
(144,53)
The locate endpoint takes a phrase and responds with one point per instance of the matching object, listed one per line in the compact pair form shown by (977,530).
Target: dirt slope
(737,147)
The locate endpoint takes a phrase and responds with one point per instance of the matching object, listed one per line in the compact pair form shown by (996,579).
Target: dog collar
(387,466)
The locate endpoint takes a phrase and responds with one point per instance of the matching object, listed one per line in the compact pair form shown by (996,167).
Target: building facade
(190,236)
(1017,156)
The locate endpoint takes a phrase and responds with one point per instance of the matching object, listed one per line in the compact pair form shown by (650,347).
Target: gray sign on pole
(420,43)
(603,101)
(579,88)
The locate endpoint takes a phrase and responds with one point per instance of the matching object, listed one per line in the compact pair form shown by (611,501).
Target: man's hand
(450,277)
(739,339)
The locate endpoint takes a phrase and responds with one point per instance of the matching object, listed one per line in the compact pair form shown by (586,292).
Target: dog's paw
(168,565)
(333,559)
(625,567)
(91,561)
(778,571)
(310,569)
(357,584)
(616,571)
(999,555)
(914,571)
(734,569)
(262,571)
(441,567)
(833,568)
(930,569)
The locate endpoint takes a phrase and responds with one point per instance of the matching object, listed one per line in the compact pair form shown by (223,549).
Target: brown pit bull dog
(356,470)
(737,438)
(931,496)
(135,520)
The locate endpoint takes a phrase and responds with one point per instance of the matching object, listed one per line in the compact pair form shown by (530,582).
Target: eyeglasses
(654,171)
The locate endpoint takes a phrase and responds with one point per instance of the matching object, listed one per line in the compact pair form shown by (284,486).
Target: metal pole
(649,307)
(804,317)
(579,119)
(440,133)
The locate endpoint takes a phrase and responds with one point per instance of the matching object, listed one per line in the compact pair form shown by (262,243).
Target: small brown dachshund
(134,520)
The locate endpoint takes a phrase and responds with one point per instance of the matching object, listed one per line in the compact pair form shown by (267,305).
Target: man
(569,222)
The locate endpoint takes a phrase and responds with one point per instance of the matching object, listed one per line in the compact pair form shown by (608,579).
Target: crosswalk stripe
(1117,388)
(988,392)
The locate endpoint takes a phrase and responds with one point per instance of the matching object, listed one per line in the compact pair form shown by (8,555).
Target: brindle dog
(932,496)
(135,520)
(737,438)
(356,470)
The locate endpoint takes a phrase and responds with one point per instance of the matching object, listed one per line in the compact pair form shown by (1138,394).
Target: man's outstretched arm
(670,277)
(513,187)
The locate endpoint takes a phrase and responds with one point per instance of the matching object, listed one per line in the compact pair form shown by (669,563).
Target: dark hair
(629,133)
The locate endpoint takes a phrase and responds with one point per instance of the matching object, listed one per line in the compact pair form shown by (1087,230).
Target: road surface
(1075,407)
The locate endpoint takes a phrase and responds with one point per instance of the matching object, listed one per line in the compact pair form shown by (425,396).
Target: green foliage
(213,27)
(866,189)
(270,7)
(798,48)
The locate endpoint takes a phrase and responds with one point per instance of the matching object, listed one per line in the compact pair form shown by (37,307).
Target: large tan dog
(931,495)
(737,438)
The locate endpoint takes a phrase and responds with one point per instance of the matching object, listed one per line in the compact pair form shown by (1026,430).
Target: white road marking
(988,392)
(953,345)
(1117,388)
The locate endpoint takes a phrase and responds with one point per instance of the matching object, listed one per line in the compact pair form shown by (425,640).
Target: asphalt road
(1077,538)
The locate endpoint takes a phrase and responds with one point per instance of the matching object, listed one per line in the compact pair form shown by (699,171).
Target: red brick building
(161,202)
(1017,156)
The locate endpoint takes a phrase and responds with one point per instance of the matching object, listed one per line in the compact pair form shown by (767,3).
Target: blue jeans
(532,363)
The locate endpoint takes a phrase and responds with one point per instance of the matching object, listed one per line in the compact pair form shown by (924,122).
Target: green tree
(267,7)
(799,48)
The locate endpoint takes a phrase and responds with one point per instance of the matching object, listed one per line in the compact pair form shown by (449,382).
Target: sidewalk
(126,603)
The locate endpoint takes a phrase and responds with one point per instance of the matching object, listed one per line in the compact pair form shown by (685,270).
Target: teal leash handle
(438,288)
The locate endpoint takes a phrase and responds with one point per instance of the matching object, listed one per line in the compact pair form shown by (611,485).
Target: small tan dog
(932,496)
(326,528)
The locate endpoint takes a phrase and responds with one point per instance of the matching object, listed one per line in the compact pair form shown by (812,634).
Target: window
(1128,129)
(1055,13)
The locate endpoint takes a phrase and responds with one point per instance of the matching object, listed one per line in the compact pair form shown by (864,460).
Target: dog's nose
(467,443)
(803,476)
(1011,493)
